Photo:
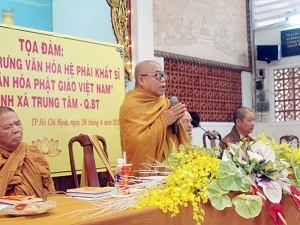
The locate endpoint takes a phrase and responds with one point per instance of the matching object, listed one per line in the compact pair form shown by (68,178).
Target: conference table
(66,206)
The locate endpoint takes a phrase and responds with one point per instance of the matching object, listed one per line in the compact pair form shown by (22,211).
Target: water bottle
(120,163)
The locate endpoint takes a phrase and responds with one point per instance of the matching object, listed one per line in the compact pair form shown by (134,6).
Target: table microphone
(174,101)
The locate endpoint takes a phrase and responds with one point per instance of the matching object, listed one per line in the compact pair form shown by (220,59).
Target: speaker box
(259,85)
(268,53)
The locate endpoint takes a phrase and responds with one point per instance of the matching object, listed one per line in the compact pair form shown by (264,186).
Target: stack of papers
(91,192)
(152,179)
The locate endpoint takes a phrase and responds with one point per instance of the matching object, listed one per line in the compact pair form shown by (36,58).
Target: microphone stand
(213,135)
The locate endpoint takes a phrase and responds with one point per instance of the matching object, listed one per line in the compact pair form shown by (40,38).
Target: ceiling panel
(273,12)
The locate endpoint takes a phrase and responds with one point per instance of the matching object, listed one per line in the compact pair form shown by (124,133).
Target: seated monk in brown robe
(146,118)
(23,168)
(244,121)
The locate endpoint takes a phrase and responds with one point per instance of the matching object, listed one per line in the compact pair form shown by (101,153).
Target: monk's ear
(141,80)
(238,122)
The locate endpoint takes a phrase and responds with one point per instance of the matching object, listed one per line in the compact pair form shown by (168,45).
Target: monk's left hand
(174,113)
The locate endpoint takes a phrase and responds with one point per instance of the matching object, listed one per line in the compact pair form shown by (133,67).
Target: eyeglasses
(250,120)
(187,122)
(158,76)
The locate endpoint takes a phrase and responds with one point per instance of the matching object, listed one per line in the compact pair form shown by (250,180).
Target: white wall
(142,39)
(275,129)
(222,128)
(247,89)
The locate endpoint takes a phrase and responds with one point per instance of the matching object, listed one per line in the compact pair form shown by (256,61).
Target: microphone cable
(216,137)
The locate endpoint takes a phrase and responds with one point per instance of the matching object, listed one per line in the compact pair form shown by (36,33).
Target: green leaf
(269,166)
(214,188)
(232,183)
(247,206)
(296,169)
(297,174)
(217,196)
(245,186)
(220,202)
(230,178)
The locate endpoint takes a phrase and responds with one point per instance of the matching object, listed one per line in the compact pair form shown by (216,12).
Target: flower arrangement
(266,169)
(193,170)
(259,172)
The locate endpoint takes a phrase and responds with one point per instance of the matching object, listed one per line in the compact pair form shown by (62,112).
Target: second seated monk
(244,121)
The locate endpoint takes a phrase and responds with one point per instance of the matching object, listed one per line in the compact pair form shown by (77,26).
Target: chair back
(211,136)
(291,139)
(89,161)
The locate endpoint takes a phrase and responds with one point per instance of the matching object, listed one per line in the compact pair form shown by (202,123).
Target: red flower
(277,214)
(295,195)
(255,191)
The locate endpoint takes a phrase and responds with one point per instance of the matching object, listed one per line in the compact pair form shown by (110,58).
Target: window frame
(272,95)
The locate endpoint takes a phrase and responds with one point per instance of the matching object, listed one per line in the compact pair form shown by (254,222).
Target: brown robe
(143,130)
(24,171)
(233,137)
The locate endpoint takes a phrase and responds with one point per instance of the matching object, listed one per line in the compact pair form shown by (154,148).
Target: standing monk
(146,118)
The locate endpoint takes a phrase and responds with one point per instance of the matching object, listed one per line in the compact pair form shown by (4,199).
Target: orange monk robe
(24,171)
(234,137)
(143,129)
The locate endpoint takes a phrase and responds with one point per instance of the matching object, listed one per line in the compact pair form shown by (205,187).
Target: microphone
(216,137)
(174,101)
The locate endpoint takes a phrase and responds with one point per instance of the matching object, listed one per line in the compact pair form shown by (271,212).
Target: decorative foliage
(270,170)
(257,172)
(193,171)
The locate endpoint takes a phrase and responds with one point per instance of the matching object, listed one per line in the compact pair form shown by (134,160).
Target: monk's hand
(173,113)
